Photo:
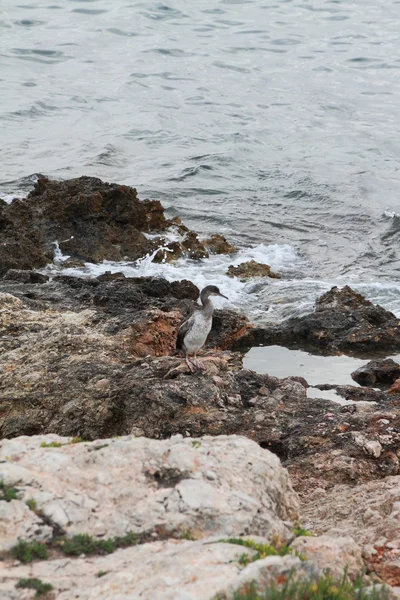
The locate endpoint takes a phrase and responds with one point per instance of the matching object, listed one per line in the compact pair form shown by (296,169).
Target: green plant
(101,573)
(26,552)
(186,534)
(86,544)
(244,559)
(261,550)
(7,493)
(35,584)
(299,531)
(31,504)
(326,588)
(196,444)
(76,440)
(50,445)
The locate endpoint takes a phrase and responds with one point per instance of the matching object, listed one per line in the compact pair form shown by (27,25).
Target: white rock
(173,570)
(139,484)
(331,553)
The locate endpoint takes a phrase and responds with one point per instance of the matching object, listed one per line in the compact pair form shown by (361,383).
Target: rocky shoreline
(169,455)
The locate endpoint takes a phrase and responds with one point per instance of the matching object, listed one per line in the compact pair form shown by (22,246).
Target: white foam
(9,197)
(203,272)
(390,214)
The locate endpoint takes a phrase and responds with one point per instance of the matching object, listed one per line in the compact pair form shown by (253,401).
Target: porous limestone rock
(169,570)
(333,553)
(225,486)
(369,513)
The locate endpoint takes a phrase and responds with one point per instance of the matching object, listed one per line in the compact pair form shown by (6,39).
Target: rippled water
(273,122)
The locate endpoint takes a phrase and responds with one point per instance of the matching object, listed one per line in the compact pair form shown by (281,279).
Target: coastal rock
(395,388)
(377,373)
(163,487)
(53,365)
(218,244)
(343,321)
(168,570)
(90,221)
(369,513)
(333,553)
(251,268)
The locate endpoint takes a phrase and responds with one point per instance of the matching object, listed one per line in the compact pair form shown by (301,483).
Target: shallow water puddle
(282,362)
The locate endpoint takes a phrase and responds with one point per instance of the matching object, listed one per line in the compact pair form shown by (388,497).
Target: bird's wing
(183,329)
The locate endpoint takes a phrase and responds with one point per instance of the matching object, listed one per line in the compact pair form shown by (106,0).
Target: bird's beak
(226,298)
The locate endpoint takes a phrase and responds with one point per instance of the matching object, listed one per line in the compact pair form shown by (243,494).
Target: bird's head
(212,290)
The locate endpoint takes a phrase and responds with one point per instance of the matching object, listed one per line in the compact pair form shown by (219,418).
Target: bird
(193,332)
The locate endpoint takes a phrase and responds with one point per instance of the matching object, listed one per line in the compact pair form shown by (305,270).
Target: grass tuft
(7,493)
(50,445)
(262,550)
(101,573)
(299,531)
(26,552)
(35,584)
(31,504)
(76,440)
(186,534)
(326,588)
(86,544)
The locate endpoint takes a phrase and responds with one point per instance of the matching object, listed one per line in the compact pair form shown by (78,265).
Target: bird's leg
(190,364)
(198,363)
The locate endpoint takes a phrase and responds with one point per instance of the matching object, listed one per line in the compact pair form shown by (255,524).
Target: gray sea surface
(274,122)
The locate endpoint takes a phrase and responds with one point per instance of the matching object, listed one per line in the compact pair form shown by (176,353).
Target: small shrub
(26,552)
(244,559)
(186,534)
(86,544)
(50,445)
(299,531)
(326,588)
(7,493)
(35,584)
(76,440)
(261,550)
(31,504)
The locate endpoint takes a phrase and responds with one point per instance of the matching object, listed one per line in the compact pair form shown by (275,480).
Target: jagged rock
(377,372)
(252,268)
(91,220)
(223,486)
(395,388)
(218,244)
(26,276)
(171,570)
(333,553)
(343,321)
(369,513)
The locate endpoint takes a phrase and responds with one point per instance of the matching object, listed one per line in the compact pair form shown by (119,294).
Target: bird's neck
(207,305)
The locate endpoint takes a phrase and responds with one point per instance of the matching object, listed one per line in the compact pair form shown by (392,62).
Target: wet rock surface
(343,321)
(252,268)
(377,373)
(91,221)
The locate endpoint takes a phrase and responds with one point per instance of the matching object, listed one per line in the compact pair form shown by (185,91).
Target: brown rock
(343,321)
(395,388)
(218,244)
(155,334)
(377,372)
(251,268)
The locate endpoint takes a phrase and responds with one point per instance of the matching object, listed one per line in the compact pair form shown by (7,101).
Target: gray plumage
(193,332)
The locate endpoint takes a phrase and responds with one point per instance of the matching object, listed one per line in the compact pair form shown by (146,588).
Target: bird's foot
(199,364)
(191,364)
